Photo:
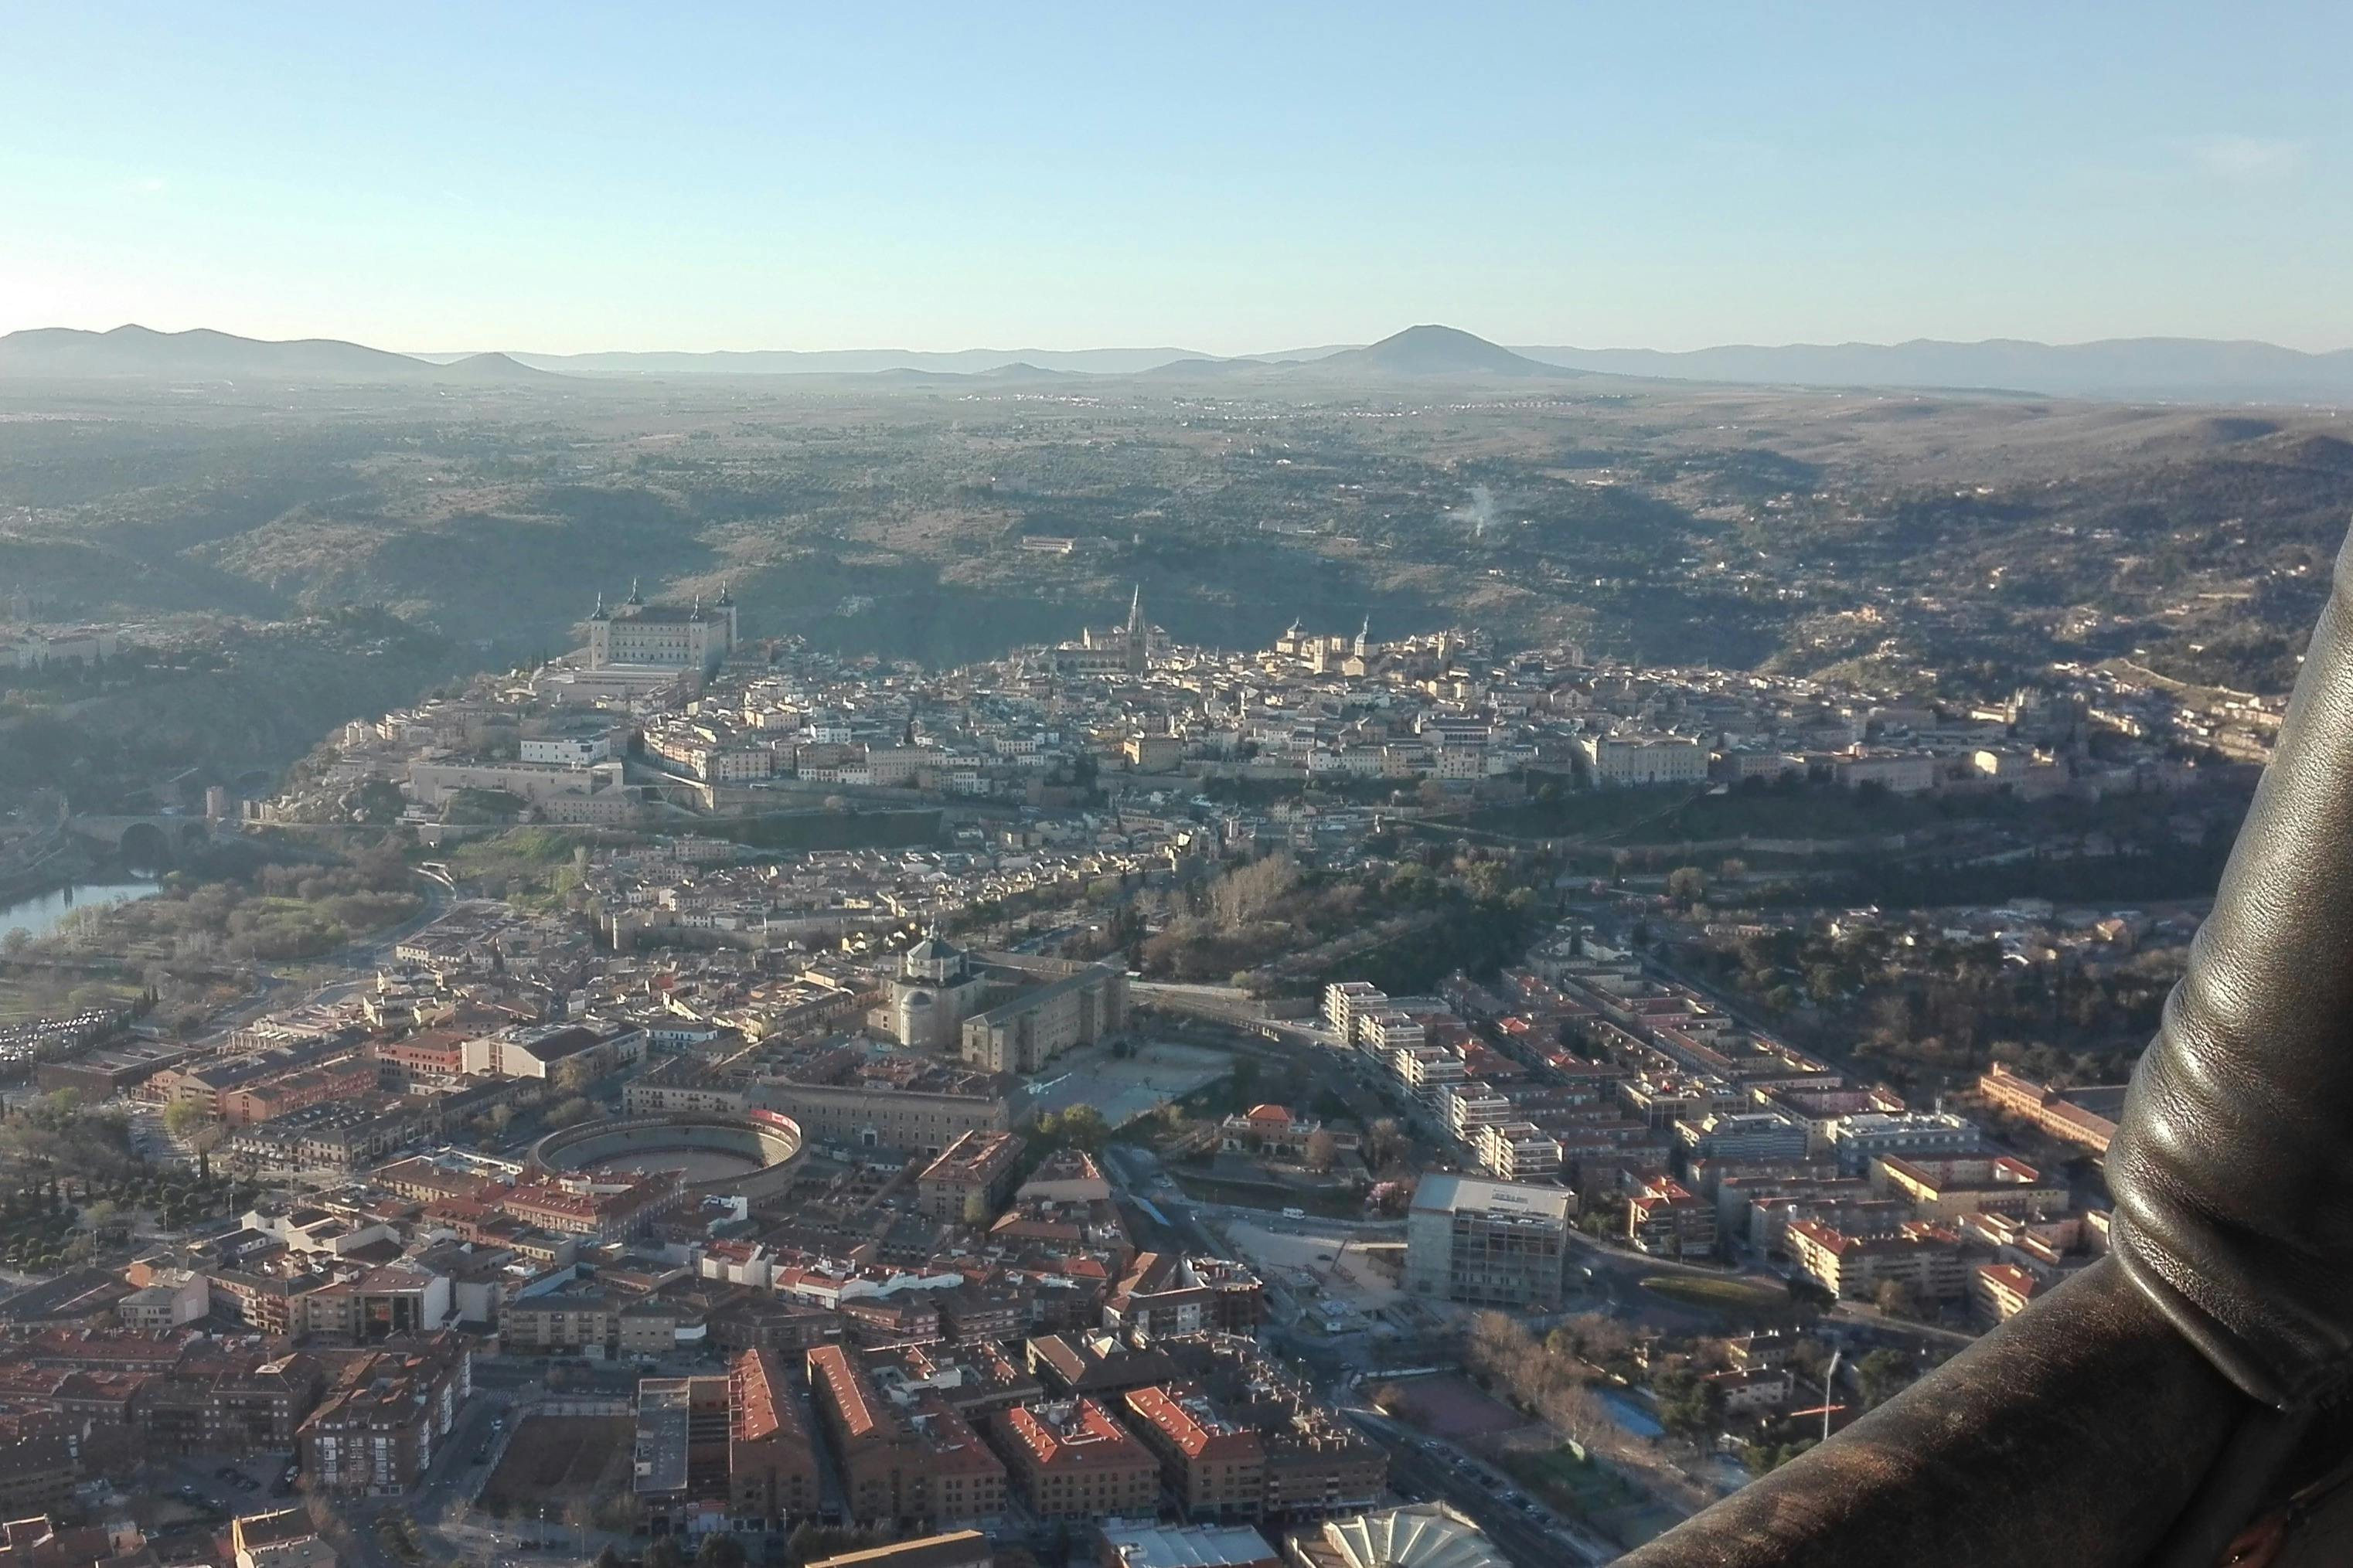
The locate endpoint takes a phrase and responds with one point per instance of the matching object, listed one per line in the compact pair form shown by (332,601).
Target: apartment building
(971,1177)
(1948,1189)
(1269,1453)
(1098,1364)
(1216,1468)
(1999,1291)
(1925,1257)
(2084,1116)
(1345,1002)
(1167,1293)
(741,1439)
(1518,1150)
(953,1549)
(1069,1459)
(902,1466)
(1317,1464)
(1910,1135)
(565,1321)
(375,1431)
(266,1098)
(1666,1219)
(679,1458)
(541,1051)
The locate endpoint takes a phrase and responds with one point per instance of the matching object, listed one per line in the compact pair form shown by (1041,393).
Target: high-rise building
(1491,1244)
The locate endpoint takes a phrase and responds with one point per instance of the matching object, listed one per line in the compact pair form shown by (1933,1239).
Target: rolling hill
(141,353)
(494,367)
(1430,350)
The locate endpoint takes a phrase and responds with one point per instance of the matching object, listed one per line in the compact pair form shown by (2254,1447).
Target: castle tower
(600,635)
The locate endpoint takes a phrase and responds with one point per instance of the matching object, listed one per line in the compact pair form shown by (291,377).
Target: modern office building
(1490,1244)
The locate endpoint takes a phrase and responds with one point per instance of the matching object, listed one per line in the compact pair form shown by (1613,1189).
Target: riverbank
(37,865)
(40,914)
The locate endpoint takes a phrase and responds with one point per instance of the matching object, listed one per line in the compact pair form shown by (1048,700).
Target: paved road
(370,951)
(1526,1531)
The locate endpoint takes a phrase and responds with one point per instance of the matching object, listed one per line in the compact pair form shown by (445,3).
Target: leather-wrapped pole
(2233,1167)
(2071,1435)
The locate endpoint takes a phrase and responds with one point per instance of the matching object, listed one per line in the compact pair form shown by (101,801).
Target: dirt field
(1447,1406)
(562,1456)
(1298,1254)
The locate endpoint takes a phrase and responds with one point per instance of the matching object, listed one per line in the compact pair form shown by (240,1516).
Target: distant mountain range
(2177,369)
(2201,368)
(141,353)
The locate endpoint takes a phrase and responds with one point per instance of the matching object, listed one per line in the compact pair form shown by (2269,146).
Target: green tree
(719,1549)
(1080,1127)
(1881,1375)
(378,800)
(183,1117)
(1689,1405)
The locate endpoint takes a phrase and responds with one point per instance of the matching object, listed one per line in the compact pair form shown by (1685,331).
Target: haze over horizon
(558,182)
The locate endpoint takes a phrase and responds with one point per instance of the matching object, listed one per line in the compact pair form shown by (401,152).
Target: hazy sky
(1222,178)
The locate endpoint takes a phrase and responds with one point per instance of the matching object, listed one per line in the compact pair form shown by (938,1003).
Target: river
(41,913)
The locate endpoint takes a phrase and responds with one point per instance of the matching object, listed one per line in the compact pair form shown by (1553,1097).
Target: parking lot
(1125,1088)
(252,1484)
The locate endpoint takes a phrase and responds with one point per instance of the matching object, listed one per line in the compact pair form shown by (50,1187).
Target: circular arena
(753,1153)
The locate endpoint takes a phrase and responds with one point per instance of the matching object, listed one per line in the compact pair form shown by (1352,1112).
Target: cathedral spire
(1139,638)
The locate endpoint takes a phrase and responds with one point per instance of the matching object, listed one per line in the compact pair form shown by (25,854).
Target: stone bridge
(149,841)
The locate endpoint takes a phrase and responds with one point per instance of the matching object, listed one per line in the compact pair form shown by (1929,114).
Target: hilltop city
(1359,1100)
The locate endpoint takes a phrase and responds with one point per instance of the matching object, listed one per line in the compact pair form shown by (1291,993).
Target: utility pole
(1830,1389)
